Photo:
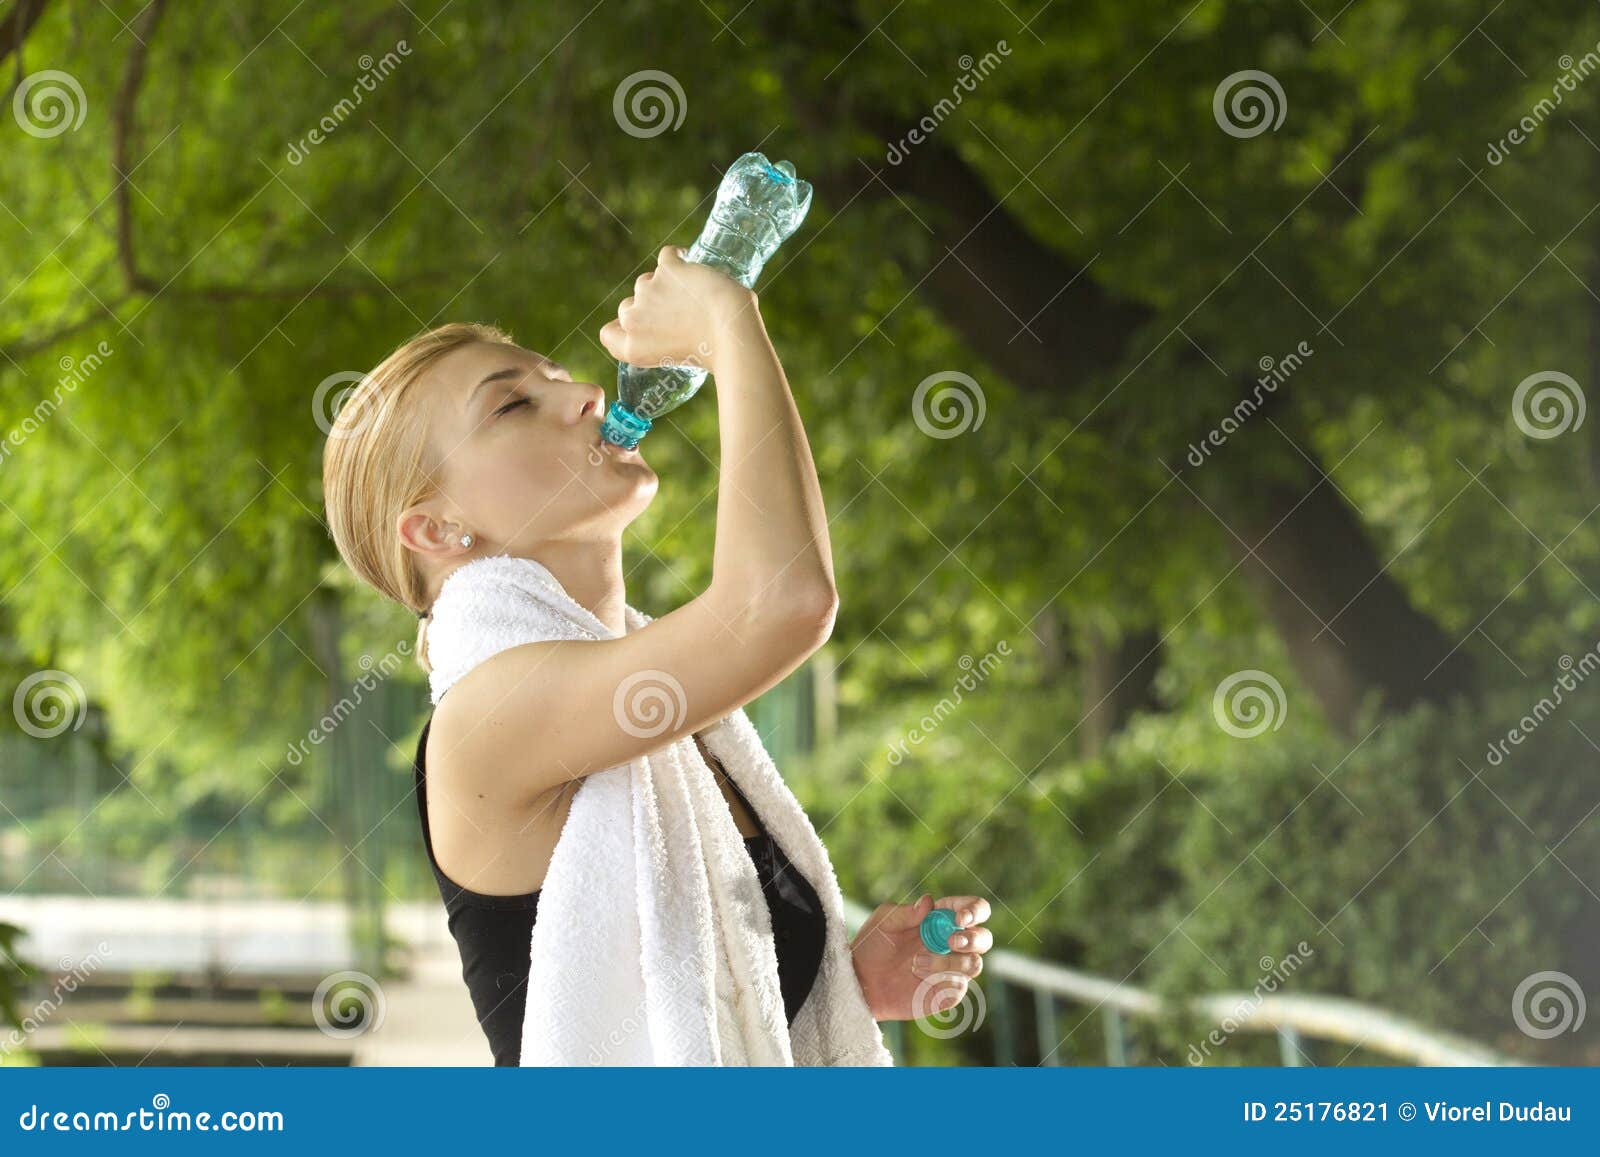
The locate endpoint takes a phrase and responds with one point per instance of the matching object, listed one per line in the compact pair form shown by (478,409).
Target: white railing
(1291,1018)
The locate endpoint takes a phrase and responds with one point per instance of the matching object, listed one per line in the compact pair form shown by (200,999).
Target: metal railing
(1293,1019)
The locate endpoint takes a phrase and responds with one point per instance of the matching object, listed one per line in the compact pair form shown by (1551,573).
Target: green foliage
(15,973)
(1421,878)
(164,534)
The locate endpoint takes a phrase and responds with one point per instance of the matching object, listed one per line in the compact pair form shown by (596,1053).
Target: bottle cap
(936,928)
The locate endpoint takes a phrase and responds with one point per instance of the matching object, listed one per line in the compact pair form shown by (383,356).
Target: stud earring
(466,541)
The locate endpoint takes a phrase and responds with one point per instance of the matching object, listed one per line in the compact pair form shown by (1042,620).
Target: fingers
(669,254)
(974,939)
(892,917)
(615,339)
(950,993)
(906,916)
(929,964)
(969,910)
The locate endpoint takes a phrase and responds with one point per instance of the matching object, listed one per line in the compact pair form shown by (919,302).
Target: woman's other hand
(676,313)
(900,978)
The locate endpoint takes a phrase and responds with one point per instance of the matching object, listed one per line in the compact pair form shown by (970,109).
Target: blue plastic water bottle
(936,928)
(759,204)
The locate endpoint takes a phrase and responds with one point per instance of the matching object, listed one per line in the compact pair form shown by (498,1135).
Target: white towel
(654,942)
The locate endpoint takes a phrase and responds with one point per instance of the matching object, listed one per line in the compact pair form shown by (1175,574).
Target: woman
(462,446)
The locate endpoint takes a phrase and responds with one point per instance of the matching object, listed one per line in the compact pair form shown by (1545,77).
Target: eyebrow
(501,375)
(498,375)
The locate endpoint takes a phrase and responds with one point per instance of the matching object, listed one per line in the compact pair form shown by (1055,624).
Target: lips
(613,448)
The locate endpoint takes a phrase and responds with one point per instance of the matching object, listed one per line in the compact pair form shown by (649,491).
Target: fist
(675,313)
(900,978)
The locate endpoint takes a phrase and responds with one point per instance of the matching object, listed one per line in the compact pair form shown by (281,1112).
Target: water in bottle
(758,205)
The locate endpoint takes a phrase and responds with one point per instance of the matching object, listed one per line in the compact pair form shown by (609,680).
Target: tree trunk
(1348,626)
(1380,642)
(1042,320)
(1118,679)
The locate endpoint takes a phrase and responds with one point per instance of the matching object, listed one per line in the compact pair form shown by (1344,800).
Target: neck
(591,572)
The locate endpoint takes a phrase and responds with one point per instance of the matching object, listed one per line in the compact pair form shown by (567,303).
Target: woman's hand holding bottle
(678,314)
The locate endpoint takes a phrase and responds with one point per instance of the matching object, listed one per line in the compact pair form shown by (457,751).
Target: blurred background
(1199,393)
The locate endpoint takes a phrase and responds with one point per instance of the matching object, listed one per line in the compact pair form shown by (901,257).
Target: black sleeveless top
(493,932)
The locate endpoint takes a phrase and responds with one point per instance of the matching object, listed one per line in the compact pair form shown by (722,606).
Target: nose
(591,402)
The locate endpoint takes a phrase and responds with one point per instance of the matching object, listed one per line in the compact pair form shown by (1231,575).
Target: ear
(420,530)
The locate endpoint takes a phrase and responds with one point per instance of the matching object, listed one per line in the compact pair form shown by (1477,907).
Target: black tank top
(493,932)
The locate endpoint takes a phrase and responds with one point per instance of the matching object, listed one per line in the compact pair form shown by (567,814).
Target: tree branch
(34,345)
(124,134)
(15,27)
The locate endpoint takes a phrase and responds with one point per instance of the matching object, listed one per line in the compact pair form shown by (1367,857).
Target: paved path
(427,1014)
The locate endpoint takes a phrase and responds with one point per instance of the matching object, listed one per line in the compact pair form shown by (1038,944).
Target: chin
(635,489)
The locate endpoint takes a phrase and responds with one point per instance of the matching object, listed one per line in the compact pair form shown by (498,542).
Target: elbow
(795,616)
(814,610)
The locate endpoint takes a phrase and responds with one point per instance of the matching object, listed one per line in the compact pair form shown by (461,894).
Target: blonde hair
(375,464)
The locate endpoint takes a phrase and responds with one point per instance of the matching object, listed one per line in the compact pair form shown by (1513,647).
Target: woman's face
(521,460)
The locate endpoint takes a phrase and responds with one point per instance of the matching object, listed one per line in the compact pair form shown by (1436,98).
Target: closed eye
(511,405)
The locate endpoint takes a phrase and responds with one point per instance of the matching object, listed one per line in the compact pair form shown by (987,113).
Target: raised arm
(536,716)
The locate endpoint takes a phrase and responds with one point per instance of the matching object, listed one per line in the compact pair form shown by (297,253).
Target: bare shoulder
(537,715)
